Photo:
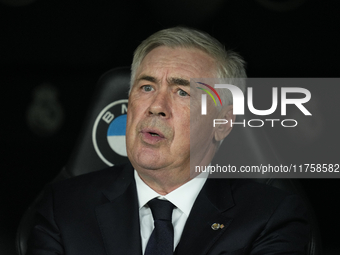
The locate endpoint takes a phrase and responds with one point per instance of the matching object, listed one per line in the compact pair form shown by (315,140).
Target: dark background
(53,52)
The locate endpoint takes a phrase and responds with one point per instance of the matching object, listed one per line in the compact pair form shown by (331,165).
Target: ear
(222,130)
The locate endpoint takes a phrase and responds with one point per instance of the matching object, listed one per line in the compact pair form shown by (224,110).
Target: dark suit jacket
(97,214)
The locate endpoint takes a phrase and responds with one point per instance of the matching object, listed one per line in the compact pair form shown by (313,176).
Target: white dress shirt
(183,198)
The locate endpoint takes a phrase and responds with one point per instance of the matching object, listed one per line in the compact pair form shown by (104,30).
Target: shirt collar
(183,197)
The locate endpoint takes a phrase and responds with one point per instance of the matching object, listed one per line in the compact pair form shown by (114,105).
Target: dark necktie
(161,241)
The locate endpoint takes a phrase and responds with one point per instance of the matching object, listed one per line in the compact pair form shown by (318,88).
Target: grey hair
(229,64)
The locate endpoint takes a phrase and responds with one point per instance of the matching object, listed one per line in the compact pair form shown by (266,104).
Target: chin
(148,161)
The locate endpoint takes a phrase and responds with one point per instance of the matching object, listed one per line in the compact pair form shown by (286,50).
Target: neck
(163,182)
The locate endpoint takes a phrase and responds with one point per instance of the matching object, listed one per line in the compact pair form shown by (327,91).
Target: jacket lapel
(119,218)
(210,207)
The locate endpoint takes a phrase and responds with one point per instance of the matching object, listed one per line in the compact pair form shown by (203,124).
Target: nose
(160,104)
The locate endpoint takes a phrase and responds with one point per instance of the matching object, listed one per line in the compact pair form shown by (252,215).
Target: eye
(182,93)
(147,88)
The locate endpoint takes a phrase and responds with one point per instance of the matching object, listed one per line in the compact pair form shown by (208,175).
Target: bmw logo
(108,134)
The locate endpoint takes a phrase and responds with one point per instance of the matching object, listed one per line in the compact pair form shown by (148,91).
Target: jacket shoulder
(90,188)
(93,179)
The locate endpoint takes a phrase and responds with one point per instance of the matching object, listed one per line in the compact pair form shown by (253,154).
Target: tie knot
(161,209)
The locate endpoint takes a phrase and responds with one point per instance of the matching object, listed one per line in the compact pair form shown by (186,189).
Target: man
(112,212)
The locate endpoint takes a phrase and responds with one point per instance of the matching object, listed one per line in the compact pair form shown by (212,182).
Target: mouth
(152,136)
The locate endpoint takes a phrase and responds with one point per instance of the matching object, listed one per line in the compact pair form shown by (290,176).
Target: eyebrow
(178,81)
(170,81)
(147,78)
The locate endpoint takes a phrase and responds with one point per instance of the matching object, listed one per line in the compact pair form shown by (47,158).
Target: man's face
(158,119)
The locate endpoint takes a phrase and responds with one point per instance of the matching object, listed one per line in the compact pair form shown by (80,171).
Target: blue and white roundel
(108,133)
(116,135)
